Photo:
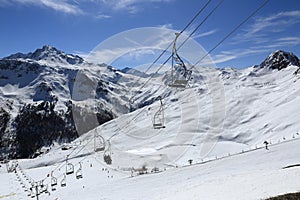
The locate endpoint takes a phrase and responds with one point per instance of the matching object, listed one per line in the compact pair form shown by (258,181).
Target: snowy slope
(50,75)
(253,175)
(219,123)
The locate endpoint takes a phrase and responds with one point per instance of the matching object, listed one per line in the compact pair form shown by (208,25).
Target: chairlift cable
(218,44)
(165,50)
(189,36)
(226,37)
(147,81)
(234,30)
(63,163)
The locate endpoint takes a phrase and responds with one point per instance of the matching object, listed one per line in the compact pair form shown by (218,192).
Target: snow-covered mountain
(50,55)
(51,87)
(211,144)
(280,60)
(41,84)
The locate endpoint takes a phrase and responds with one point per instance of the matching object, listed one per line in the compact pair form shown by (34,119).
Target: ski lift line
(85,157)
(190,22)
(26,176)
(190,35)
(203,21)
(234,30)
(158,119)
(126,125)
(64,163)
(63,174)
(226,37)
(161,66)
(165,50)
(218,44)
(198,13)
(77,147)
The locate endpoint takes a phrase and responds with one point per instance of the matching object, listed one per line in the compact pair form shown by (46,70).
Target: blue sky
(77,26)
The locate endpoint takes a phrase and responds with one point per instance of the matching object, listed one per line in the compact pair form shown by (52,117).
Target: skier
(266,143)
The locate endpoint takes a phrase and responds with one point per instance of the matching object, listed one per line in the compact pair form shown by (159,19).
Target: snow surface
(220,123)
(256,174)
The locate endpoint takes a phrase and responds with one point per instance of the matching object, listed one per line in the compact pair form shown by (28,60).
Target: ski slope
(212,146)
(256,174)
(227,163)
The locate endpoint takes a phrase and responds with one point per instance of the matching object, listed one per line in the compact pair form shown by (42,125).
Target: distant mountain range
(49,96)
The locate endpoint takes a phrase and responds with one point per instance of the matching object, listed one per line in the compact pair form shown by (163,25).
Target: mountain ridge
(48,51)
(48,81)
(280,59)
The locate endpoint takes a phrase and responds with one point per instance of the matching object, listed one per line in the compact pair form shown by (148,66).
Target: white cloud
(192,28)
(221,58)
(102,16)
(80,7)
(276,44)
(204,34)
(57,5)
(260,31)
(225,56)
(131,6)
(289,41)
(167,26)
(265,34)
(142,43)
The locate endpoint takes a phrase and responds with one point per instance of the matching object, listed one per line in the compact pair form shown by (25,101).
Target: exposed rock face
(280,60)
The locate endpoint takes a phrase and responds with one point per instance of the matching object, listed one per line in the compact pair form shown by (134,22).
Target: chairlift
(69,168)
(99,142)
(79,172)
(63,182)
(158,119)
(32,190)
(43,187)
(53,182)
(107,153)
(180,74)
(32,193)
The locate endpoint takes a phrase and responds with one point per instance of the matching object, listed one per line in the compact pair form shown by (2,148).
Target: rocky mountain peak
(49,53)
(280,60)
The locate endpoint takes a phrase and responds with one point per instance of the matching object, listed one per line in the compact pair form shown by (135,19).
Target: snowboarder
(266,143)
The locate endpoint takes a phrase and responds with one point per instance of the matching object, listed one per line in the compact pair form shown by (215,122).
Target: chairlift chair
(158,119)
(107,159)
(43,187)
(32,193)
(180,74)
(33,190)
(63,182)
(53,182)
(69,168)
(79,172)
(107,154)
(96,143)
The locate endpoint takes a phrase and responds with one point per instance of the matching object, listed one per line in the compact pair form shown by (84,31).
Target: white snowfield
(252,175)
(220,126)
